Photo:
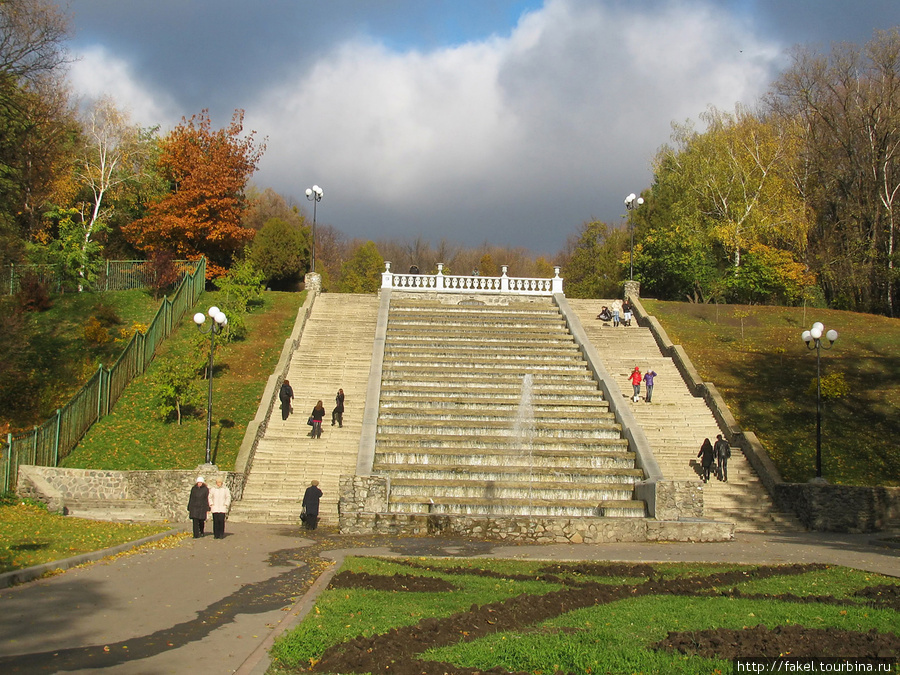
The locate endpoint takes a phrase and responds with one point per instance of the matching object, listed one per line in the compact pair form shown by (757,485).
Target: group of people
(217,500)
(203,500)
(286,395)
(636,379)
(621,313)
(717,454)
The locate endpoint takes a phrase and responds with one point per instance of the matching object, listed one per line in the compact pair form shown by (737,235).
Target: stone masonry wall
(363,505)
(842,508)
(679,500)
(166,491)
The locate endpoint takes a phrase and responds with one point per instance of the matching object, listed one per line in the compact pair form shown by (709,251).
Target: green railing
(114,275)
(52,441)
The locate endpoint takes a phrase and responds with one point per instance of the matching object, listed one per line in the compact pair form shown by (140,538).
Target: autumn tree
(112,152)
(843,109)
(207,171)
(35,121)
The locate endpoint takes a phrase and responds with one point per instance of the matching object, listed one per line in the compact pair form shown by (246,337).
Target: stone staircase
(113,510)
(491,410)
(676,422)
(335,352)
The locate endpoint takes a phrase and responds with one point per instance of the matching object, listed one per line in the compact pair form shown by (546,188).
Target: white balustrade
(449,283)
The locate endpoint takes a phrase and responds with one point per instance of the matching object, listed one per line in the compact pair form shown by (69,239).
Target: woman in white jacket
(219,503)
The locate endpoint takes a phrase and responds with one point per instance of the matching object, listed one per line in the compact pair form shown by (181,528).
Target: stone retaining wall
(818,506)
(363,509)
(165,491)
(536,530)
(841,508)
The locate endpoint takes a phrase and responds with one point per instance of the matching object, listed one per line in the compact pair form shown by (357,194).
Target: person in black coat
(337,415)
(722,450)
(311,505)
(707,455)
(285,395)
(198,506)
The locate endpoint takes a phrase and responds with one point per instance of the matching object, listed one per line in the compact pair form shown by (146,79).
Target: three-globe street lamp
(216,326)
(314,194)
(813,340)
(632,201)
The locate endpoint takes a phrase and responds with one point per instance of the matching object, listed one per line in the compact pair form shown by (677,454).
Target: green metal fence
(52,441)
(114,275)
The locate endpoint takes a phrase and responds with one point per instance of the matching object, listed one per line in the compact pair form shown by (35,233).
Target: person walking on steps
(707,457)
(648,383)
(219,504)
(722,450)
(627,311)
(198,506)
(338,412)
(285,394)
(636,378)
(309,513)
(317,415)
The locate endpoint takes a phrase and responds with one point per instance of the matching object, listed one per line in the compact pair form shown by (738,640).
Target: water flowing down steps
(453,435)
(676,422)
(335,352)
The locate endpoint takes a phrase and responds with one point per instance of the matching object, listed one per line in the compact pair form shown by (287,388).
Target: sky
(508,122)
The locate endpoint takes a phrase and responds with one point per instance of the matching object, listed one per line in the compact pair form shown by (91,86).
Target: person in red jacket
(636,378)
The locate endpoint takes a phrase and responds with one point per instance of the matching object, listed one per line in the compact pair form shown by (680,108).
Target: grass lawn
(29,535)
(133,436)
(540,617)
(767,376)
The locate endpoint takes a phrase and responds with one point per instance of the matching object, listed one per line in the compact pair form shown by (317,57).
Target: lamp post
(813,340)
(216,326)
(314,194)
(632,201)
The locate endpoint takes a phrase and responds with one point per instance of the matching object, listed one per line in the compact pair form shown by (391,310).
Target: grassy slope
(765,378)
(65,360)
(133,437)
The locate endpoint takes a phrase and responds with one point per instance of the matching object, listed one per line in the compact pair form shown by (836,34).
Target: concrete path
(217,605)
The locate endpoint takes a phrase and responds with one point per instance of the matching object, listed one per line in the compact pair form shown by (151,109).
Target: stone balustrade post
(557,283)
(387,279)
(439,278)
(504,280)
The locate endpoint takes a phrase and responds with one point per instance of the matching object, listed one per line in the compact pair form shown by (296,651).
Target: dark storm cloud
(511,122)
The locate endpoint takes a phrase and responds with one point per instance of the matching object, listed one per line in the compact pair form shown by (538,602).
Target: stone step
(507,416)
(542,429)
(113,510)
(512,507)
(484,443)
(534,473)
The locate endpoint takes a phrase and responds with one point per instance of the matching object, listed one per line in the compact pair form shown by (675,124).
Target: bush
(33,295)
(95,333)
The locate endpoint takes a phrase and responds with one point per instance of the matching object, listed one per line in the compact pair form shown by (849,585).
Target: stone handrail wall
(747,441)
(818,506)
(445,283)
(166,492)
(256,429)
(646,490)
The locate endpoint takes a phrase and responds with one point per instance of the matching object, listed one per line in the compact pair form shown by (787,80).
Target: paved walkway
(219,604)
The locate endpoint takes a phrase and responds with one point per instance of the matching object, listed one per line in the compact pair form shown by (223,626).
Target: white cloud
(514,139)
(97,73)
(579,95)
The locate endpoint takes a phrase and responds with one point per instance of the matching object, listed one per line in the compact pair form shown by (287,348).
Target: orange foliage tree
(207,172)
